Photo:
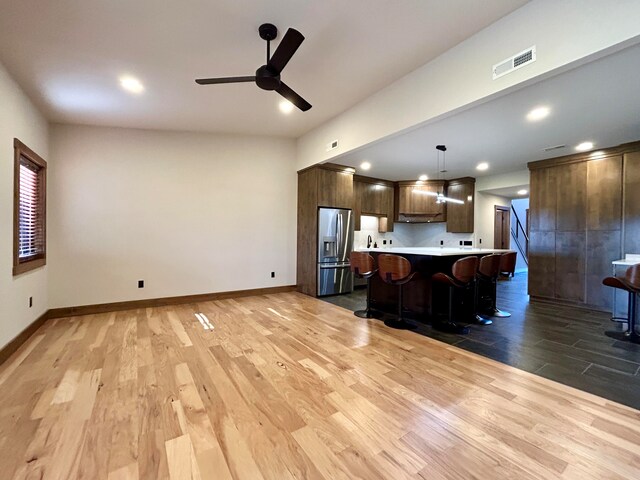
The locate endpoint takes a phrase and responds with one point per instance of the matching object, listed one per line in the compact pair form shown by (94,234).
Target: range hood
(420,217)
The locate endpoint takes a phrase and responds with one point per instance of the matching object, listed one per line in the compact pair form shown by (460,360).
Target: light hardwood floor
(286,386)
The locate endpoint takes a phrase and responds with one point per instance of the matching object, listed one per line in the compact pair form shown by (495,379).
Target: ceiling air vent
(555,147)
(515,62)
(332,145)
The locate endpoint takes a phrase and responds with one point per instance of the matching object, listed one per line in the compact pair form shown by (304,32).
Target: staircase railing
(520,236)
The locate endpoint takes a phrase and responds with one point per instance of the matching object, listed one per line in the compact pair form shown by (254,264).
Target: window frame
(39,260)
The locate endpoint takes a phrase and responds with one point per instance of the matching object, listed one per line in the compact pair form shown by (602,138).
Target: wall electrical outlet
(273,274)
(140,283)
(30,302)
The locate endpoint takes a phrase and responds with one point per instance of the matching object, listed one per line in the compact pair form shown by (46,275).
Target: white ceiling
(68,55)
(597,102)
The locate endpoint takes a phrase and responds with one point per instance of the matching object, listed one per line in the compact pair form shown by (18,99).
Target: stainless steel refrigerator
(335,241)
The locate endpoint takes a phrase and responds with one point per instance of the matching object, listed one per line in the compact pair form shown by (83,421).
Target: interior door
(502,227)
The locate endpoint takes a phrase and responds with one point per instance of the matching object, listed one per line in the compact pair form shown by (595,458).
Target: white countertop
(433,251)
(628,260)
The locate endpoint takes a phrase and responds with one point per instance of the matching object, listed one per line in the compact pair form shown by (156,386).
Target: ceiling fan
(267,76)
(440,198)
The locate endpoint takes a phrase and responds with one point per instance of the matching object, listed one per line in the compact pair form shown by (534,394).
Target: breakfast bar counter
(417,294)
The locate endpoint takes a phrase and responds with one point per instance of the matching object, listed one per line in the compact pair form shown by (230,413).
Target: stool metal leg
(494,311)
(479,319)
(399,323)
(367,313)
(630,335)
(450,326)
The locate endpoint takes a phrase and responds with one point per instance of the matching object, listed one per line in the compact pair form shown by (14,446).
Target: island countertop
(434,251)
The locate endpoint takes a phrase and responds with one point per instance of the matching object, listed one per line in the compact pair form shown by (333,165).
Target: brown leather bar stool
(630,283)
(396,270)
(508,264)
(363,266)
(488,272)
(463,274)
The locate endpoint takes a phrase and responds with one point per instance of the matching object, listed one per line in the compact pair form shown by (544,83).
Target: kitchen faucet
(369,241)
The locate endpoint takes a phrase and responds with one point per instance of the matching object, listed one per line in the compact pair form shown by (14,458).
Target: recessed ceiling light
(286,106)
(365,165)
(538,113)
(131,84)
(522,192)
(584,146)
(482,166)
(422,178)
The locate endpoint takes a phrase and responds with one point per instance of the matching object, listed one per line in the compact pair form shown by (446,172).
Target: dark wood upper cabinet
(335,188)
(460,216)
(542,200)
(604,200)
(632,202)
(374,197)
(571,194)
(413,206)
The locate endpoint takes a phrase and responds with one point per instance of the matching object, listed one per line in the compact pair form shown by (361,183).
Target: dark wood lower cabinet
(542,264)
(603,247)
(570,266)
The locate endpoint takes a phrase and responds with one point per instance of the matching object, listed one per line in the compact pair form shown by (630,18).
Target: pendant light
(440,197)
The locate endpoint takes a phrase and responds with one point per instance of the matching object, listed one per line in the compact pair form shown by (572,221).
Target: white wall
(502,180)
(18,119)
(485,217)
(567,33)
(189,213)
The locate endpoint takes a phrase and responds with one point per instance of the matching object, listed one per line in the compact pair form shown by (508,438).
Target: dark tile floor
(562,343)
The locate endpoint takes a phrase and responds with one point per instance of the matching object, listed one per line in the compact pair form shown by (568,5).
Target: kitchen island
(418,300)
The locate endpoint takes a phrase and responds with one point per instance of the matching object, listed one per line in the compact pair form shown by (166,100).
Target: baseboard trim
(161,302)
(567,303)
(11,347)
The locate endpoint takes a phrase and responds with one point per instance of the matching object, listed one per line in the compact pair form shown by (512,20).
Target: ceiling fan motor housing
(266,79)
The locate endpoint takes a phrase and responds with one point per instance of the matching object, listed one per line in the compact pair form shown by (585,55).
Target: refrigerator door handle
(338,234)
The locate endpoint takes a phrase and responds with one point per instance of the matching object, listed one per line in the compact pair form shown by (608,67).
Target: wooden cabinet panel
(632,203)
(603,247)
(542,200)
(335,189)
(374,199)
(571,187)
(542,264)
(460,217)
(411,203)
(604,200)
(570,266)
(307,232)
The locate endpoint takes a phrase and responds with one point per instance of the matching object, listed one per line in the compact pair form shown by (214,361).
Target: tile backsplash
(408,234)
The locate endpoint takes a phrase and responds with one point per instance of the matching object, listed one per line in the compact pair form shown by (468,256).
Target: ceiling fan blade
(293,97)
(288,46)
(211,81)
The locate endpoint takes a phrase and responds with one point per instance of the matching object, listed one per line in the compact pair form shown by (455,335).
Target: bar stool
(488,272)
(396,270)
(508,264)
(363,266)
(463,274)
(629,283)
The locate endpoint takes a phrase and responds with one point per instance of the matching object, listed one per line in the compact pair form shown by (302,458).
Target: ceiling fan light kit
(440,197)
(267,76)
